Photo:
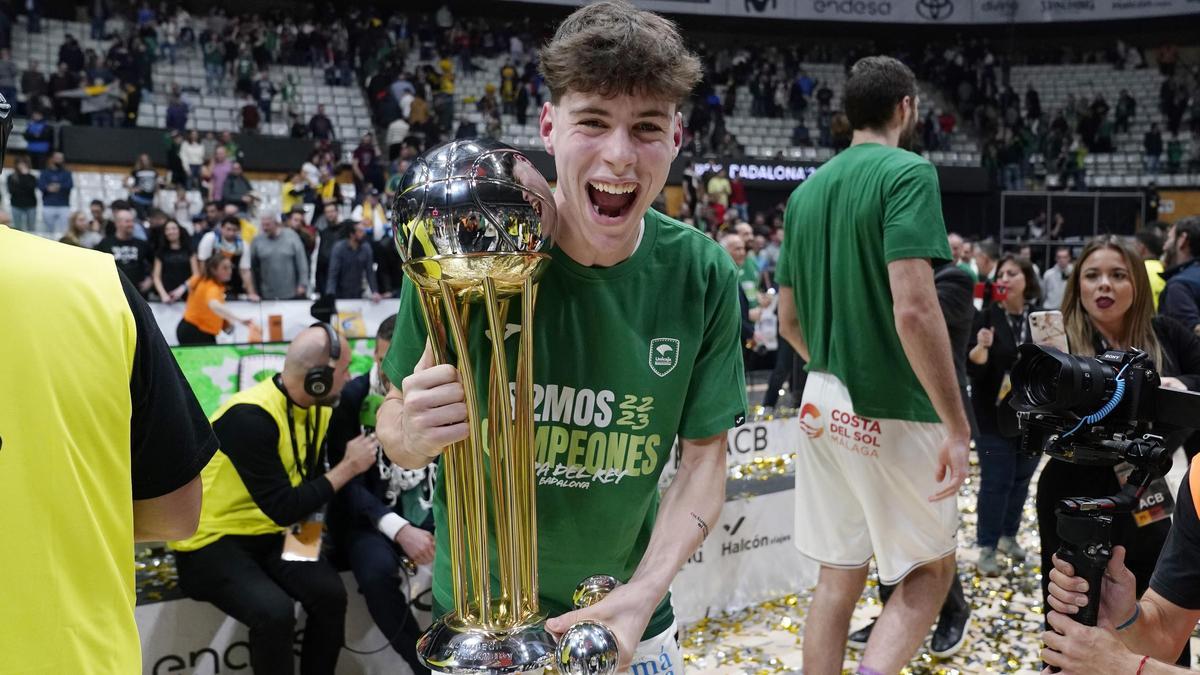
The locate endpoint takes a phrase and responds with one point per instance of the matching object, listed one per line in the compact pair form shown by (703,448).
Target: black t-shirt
(250,438)
(133,257)
(145,182)
(1177,576)
(176,266)
(171,440)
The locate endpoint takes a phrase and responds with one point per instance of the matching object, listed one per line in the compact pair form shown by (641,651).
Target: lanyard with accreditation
(302,541)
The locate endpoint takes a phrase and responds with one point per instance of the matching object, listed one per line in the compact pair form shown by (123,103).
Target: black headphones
(318,381)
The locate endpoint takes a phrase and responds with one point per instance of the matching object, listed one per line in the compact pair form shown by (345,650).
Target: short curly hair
(612,48)
(875,87)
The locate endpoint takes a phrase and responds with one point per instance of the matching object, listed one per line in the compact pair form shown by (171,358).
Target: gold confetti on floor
(1003,635)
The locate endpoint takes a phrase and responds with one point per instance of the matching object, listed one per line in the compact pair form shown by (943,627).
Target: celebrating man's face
(612,154)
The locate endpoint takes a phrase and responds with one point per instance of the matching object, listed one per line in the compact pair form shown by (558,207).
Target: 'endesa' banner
(924,11)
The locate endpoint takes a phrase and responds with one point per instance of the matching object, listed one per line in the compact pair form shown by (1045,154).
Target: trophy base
(450,647)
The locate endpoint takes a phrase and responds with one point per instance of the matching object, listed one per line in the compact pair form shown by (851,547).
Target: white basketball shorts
(863,487)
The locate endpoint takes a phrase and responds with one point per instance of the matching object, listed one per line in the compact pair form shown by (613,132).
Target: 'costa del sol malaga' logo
(935,10)
(811,422)
(664,355)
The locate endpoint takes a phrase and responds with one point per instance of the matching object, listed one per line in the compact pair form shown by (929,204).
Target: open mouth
(612,200)
(1104,303)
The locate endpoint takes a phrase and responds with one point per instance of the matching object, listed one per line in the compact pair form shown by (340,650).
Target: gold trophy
(471,220)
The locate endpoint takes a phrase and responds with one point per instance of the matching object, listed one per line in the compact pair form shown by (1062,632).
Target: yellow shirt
(1154,270)
(66,505)
(287,200)
(249,231)
(228,507)
(325,190)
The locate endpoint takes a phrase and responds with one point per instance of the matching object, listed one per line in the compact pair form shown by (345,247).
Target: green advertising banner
(216,372)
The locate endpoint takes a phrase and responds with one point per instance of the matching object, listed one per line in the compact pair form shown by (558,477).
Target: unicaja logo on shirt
(810,421)
(664,355)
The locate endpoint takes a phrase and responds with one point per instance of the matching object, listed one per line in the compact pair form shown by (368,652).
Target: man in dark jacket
(382,521)
(350,261)
(1180,299)
(955,290)
(237,189)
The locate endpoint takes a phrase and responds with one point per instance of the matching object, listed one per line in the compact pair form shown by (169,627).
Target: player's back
(868,206)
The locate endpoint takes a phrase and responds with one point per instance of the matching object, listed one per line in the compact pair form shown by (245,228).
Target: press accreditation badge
(1155,504)
(1005,387)
(302,541)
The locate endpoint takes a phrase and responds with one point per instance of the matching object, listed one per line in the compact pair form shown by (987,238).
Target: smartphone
(1047,328)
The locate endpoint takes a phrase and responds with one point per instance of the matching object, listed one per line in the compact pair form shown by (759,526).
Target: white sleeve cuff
(390,524)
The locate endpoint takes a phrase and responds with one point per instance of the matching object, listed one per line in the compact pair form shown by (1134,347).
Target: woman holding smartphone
(1004,473)
(1108,305)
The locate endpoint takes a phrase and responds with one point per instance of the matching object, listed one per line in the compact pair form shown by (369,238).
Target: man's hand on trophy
(435,409)
(624,611)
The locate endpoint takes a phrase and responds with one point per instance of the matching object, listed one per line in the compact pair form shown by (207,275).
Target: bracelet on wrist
(1142,665)
(1137,611)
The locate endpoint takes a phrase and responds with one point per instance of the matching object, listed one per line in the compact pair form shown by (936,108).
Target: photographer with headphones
(257,549)
(1134,637)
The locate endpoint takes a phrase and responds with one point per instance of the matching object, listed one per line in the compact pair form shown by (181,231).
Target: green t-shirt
(861,210)
(626,358)
(748,278)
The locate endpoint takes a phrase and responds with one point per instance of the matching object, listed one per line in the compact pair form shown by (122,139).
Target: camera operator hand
(431,415)
(1118,593)
(1077,649)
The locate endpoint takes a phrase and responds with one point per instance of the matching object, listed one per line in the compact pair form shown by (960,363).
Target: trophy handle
(589,647)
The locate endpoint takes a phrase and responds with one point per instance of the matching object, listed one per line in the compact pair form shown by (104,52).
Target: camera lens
(1048,380)
(1042,386)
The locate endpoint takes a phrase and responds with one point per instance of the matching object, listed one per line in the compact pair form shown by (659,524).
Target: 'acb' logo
(811,422)
(935,10)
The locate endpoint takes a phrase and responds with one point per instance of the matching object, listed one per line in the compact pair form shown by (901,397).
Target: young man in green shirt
(637,332)
(886,435)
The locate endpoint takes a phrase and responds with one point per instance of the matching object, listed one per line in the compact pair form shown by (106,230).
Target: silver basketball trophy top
(471,209)
(472,220)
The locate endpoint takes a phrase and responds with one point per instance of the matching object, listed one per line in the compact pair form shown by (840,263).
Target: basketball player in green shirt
(636,343)
(886,435)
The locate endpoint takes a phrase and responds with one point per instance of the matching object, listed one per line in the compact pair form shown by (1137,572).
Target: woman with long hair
(1004,473)
(174,263)
(80,231)
(206,314)
(1108,305)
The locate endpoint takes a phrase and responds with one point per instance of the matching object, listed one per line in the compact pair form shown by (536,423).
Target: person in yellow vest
(269,483)
(1149,244)
(101,442)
